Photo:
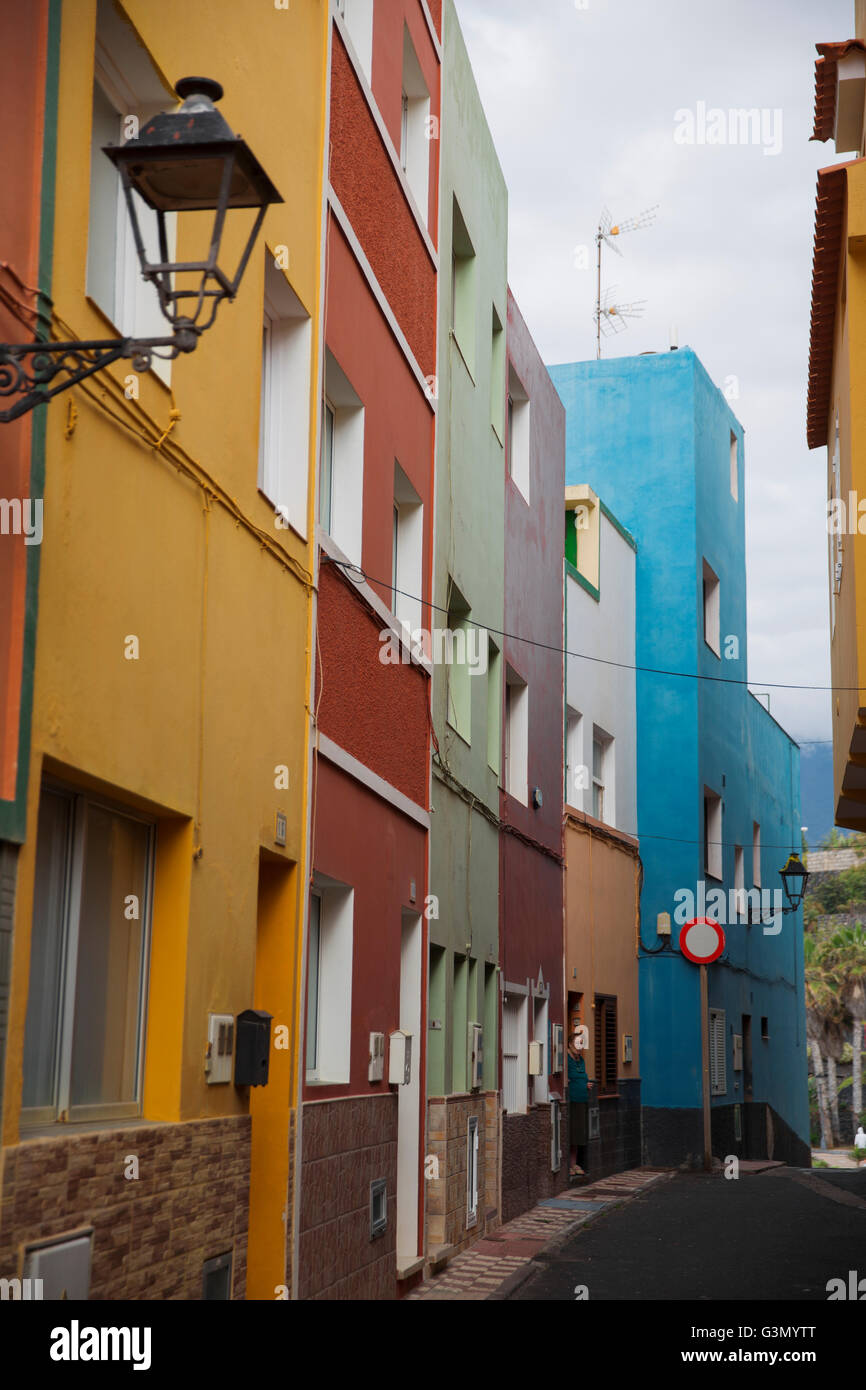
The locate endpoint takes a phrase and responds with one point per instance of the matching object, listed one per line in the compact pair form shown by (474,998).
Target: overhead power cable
(352,569)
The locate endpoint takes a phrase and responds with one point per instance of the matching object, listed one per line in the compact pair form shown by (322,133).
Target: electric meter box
(252,1047)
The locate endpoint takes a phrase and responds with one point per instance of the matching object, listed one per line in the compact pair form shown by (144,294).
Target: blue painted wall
(651,435)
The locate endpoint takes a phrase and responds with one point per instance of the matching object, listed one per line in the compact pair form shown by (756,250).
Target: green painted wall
(469,554)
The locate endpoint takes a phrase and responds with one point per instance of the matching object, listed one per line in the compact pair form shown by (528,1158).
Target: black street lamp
(794,880)
(186,160)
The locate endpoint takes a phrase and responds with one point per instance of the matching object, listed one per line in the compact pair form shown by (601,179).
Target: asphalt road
(777,1235)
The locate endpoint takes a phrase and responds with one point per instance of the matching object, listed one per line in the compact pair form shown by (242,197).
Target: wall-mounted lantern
(186,160)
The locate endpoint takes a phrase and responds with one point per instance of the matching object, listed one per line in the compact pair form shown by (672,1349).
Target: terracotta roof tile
(829,217)
(825,84)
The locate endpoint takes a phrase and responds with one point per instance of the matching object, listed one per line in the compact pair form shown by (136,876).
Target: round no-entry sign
(702,941)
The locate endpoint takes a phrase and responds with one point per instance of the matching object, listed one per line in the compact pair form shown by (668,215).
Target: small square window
(378,1207)
(765,1028)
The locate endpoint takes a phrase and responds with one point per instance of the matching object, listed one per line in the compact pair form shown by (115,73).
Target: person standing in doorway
(578,1105)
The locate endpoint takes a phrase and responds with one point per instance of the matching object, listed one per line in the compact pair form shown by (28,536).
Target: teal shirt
(577,1084)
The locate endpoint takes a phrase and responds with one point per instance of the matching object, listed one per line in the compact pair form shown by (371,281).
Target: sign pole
(705,1069)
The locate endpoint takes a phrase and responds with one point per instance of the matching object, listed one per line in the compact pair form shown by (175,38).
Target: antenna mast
(608,316)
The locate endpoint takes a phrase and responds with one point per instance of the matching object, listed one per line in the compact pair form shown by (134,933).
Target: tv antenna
(610,317)
(612,313)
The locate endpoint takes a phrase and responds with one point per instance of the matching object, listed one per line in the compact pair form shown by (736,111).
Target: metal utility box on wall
(536,1058)
(400,1059)
(557,1051)
(252,1055)
(376,1068)
(738,1052)
(475,1042)
(220,1045)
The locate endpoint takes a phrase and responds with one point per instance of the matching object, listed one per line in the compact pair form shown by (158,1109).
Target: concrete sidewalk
(500,1262)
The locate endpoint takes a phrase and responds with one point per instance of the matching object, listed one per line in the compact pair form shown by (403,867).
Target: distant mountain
(816,790)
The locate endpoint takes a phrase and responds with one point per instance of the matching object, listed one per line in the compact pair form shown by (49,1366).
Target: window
(765,1028)
(329,981)
(712,834)
(718,1074)
(358,18)
(457,656)
(739,881)
(497,376)
(378,1207)
(540,1092)
(516,736)
(494,705)
(414,142)
(87,1002)
(517,441)
(217,1278)
(462,288)
(602,776)
(735,487)
(606,1058)
(407,551)
(756,854)
(127,91)
(313,943)
(711,610)
(575,773)
(515,1076)
(472,1171)
(284,420)
(341,481)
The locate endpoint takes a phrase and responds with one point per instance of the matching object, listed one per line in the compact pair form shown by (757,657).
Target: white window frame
(516,736)
(68,927)
(408,552)
(284,416)
(347,470)
(333,1006)
(740,880)
(711,589)
(414,139)
(519,440)
(129,82)
(358,20)
(713,835)
(472,1146)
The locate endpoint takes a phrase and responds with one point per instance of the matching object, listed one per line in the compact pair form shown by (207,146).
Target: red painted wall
(369,190)
(22,96)
(376,712)
(398,420)
(362,840)
(531,883)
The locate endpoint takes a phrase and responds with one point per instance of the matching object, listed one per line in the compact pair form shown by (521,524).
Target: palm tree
(822,1007)
(847,952)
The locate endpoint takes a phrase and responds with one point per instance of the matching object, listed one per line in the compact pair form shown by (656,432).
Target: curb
(512,1282)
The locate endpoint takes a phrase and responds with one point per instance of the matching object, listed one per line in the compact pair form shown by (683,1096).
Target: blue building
(717,777)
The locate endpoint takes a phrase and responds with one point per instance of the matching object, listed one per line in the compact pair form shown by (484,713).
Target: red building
(534,1138)
(361,1219)
(28,107)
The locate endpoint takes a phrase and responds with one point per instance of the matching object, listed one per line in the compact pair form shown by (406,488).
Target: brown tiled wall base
(447,1120)
(151,1234)
(526,1172)
(290,1199)
(346,1145)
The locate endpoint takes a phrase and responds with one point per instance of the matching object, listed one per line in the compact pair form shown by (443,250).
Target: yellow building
(162,884)
(837,397)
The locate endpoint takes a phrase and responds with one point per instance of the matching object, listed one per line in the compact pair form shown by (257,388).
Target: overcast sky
(581,99)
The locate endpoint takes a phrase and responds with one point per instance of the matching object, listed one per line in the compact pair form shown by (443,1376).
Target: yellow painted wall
(133,544)
(848,642)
